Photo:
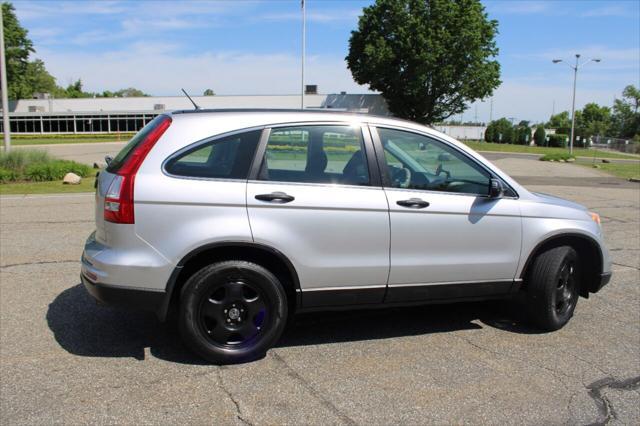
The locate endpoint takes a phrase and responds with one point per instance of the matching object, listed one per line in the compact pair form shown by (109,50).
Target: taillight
(118,202)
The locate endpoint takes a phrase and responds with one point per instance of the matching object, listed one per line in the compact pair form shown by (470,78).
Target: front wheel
(232,311)
(553,288)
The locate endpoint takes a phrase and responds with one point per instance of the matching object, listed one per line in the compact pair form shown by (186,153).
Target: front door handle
(413,203)
(275,197)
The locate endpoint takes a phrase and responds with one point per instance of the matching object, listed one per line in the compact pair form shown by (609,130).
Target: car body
(345,211)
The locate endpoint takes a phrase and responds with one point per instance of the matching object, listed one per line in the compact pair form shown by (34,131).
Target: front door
(318,199)
(448,238)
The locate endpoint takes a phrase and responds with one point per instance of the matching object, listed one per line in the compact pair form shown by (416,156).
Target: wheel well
(264,256)
(589,256)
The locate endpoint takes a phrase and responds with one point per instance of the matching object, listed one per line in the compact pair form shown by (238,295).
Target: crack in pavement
(328,404)
(227,392)
(625,266)
(527,361)
(44,262)
(607,412)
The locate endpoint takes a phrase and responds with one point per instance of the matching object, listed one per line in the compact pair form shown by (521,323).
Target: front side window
(316,154)
(416,161)
(225,158)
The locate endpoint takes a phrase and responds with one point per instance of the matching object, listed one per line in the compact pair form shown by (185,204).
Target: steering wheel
(440,170)
(402,177)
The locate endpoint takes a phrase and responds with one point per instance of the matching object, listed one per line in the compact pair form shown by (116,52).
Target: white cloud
(41,9)
(319,17)
(137,25)
(614,10)
(520,7)
(161,70)
(615,62)
(535,101)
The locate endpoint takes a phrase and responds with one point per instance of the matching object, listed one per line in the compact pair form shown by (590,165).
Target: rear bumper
(124,296)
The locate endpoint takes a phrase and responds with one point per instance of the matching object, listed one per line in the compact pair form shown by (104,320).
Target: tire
(232,311)
(553,286)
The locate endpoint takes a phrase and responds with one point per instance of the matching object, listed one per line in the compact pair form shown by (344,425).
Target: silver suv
(235,220)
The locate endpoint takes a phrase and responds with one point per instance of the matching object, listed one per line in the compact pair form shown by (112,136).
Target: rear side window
(316,154)
(124,153)
(225,158)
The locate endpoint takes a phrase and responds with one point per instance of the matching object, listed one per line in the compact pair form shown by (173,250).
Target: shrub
(501,131)
(17,160)
(7,175)
(37,166)
(523,135)
(558,140)
(489,134)
(558,156)
(540,136)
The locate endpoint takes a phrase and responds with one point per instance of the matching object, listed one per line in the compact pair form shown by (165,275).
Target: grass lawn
(55,187)
(621,170)
(60,139)
(578,152)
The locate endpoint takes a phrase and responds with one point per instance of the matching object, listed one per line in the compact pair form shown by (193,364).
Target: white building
(113,115)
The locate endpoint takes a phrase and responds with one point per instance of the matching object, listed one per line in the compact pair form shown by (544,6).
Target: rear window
(229,157)
(124,153)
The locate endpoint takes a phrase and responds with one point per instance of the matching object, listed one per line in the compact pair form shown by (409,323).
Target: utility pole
(491,110)
(304,42)
(3,86)
(573,103)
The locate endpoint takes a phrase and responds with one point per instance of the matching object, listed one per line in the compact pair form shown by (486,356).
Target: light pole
(304,42)
(573,103)
(6,128)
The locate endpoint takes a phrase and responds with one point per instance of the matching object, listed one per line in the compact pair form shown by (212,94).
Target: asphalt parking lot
(63,359)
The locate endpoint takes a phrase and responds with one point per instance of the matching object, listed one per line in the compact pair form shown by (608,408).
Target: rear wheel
(232,311)
(553,288)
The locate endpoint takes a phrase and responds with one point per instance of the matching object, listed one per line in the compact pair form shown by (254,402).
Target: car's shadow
(83,328)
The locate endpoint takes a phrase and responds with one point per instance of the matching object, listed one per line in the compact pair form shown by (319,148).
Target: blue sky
(253,47)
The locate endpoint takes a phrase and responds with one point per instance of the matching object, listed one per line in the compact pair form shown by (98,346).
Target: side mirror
(108,159)
(496,190)
(444,157)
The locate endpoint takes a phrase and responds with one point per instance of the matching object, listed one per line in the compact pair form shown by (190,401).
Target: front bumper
(124,296)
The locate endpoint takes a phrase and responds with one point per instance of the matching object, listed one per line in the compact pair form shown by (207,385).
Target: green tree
(18,47)
(130,92)
(560,120)
(501,131)
(594,120)
(74,90)
(540,136)
(625,121)
(522,134)
(38,79)
(428,58)
(209,92)
(489,133)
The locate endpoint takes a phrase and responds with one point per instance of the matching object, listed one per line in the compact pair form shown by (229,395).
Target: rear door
(448,238)
(316,197)
(105,177)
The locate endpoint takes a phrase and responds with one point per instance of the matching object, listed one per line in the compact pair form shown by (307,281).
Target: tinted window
(120,159)
(316,154)
(227,158)
(419,162)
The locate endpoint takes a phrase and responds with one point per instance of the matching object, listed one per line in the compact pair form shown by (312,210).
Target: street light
(573,105)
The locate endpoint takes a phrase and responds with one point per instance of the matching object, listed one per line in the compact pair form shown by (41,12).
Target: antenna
(187,95)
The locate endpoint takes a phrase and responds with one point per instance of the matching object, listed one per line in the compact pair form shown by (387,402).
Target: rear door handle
(276,197)
(413,203)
